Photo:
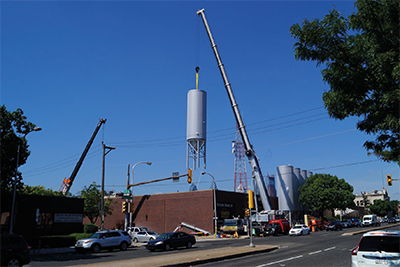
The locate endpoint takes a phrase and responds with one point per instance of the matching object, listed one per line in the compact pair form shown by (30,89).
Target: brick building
(164,212)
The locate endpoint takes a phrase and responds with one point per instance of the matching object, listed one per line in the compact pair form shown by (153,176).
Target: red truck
(278,226)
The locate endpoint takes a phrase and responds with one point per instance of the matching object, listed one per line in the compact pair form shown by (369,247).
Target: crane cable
(197,51)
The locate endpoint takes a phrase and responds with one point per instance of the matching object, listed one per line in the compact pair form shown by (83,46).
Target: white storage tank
(196,115)
(196,127)
(284,186)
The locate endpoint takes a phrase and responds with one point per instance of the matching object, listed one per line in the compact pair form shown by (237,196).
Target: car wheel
(135,240)
(95,248)
(167,247)
(189,244)
(123,246)
(13,262)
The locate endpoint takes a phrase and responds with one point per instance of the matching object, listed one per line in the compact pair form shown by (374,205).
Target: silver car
(108,239)
(144,236)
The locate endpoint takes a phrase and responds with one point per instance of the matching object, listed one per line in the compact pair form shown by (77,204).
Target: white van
(370,220)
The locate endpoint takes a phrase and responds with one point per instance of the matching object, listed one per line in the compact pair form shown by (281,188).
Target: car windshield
(380,243)
(166,236)
(332,223)
(297,227)
(96,235)
(230,223)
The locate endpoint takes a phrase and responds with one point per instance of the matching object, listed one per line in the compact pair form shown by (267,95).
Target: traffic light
(247,213)
(190,173)
(389,179)
(132,207)
(124,207)
(251,199)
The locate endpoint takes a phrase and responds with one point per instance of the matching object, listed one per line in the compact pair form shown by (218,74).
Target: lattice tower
(240,175)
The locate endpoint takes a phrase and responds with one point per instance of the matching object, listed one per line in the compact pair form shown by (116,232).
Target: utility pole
(102,181)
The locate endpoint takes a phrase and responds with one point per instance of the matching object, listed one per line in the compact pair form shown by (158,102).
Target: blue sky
(67,64)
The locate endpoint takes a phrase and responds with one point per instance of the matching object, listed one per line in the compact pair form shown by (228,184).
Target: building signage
(67,218)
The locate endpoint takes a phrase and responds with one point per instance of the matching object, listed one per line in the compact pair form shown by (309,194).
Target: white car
(377,248)
(299,229)
(144,236)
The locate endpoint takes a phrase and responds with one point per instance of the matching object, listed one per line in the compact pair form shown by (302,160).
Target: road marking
(275,262)
(315,252)
(329,248)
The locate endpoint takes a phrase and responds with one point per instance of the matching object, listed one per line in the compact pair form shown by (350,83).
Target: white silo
(296,185)
(303,175)
(196,128)
(284,187)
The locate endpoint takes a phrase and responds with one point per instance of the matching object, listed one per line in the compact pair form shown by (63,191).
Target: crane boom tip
(200,11)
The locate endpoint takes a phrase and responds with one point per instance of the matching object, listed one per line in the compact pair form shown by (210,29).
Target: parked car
(355,222)
(14,250)
(172,240)
(370,220)
(391,220)
(334,226)
(135,229)
(144,236)
(345,224)
(275,227)
(299,229)
(108,239)
(377,248)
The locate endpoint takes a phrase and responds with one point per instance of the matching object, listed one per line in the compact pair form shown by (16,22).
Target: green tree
(92,197)
(394,204)
(14,126)
(40,190)
(326,192)
(361,56)
(380,207)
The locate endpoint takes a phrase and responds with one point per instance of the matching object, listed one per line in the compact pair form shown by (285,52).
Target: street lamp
(215,204)
(36,129)
(130,212)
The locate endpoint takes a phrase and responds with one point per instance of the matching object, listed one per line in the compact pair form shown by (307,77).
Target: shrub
(81,235)
(90,228)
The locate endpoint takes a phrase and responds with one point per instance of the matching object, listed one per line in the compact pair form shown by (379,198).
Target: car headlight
(88,241)
(159,243)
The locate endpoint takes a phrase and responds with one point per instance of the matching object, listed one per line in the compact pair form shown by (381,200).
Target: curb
(369,229)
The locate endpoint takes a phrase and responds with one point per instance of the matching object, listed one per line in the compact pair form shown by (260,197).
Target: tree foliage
(380,207)
(13,126)
(326,192)
(361,56)
(92,197)
(41,191)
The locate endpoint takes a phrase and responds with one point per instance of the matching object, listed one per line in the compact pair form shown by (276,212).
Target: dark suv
(14,250)
(334,226)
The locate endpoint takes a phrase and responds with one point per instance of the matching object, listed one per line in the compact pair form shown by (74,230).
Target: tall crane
(67,183)
(255,167)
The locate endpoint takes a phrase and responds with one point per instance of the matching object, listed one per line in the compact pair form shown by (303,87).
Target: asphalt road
(321,248)
(317,249)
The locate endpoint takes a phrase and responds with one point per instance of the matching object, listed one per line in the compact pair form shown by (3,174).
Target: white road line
(315,252)
(275,262)
(293,258)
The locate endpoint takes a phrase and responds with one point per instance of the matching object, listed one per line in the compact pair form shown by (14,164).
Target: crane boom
(255,168)
(68,182)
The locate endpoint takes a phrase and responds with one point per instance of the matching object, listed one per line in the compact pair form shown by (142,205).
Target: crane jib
(256,170)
